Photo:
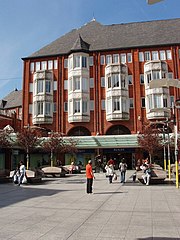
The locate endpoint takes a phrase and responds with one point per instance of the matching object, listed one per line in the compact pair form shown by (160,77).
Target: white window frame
(50,64)
(129,57)
(123,57)
(66,63)
(141,78)
(55,64)
(103,104)
(91,82)
(40,86)
(115,58)
(32,67)
(44,65)
(131,103)
(38,66)
(103,83)
(108,59)
(168,55)
(65,106)
(162,55)
(91,105)
(155,55)
(47,86)
(65,84)
(147,56)
(102,59)
(55,85)
(130,79)
(141,57)
(91,61)
(47,109)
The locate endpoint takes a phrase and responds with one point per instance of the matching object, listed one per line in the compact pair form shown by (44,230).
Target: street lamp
(164,147)
(176,106)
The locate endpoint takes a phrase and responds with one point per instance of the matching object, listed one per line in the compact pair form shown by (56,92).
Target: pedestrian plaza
(60,209)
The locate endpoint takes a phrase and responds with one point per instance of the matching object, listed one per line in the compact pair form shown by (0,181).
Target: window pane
(130,81)
(129,57)
(84,84)
(48,108)
(65,106)
(91,80)
(102,81)
(142,78)
(108,59)
(91,61)
(168,53)
(143,102)
(65,63)
(131,103)
(115,58)
(76,83)
(44,65)
(147,56)
(50,64)
(162,55)
(32,67)
(156,75)
(39,86)
(141,57)
(37,66)
(102,59)
(65,84)
(84,107)
(55,64)
(77,106)
(39,108)
(123,58)
(115,80)
(116,104)
(103,106)
(48,86)
(84,62)
(157,101)
(109,82)
(155,55)
(76,61)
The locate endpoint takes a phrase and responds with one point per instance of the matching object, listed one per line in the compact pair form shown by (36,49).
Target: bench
(158,175)
(53,171)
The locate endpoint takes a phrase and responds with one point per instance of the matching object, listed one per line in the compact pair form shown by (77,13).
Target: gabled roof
(116,36)
(12,100)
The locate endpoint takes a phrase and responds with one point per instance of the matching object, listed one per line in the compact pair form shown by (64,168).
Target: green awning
(106,141)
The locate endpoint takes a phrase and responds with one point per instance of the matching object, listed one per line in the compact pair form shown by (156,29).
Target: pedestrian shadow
(158,238)
(108,193)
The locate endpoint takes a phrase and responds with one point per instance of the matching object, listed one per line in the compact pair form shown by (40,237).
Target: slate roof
(12,100)
(116,36)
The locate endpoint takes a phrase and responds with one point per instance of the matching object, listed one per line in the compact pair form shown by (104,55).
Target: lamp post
(164,147)
(175,141)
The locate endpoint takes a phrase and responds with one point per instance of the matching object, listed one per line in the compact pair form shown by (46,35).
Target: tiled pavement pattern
(59,208)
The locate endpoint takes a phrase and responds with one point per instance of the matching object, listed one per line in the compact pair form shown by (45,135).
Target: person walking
(110,171)
(122,169)
(90,176)
(22,172)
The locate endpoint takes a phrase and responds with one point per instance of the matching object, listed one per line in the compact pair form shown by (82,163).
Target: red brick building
(95,81)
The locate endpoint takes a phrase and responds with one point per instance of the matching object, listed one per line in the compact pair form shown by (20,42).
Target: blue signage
(118,150)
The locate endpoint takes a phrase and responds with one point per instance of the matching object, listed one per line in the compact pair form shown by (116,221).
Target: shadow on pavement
(11,194)
(158,238)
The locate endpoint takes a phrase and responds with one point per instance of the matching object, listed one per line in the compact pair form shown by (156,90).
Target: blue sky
(28,25)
